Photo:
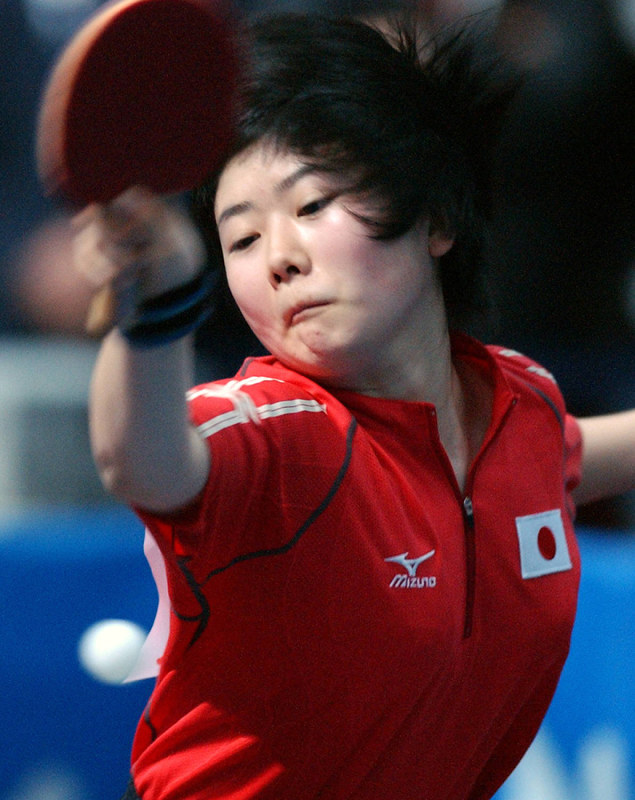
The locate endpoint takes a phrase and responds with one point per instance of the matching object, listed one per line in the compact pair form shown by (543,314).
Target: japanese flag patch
(543,544)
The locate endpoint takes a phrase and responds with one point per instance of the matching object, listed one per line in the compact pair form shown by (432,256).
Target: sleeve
(573,459)
(544,384)
(264,479)
(241,454)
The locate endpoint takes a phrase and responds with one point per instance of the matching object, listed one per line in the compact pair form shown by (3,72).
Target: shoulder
(512,370)
(513,361)
(262,390)
(526,375)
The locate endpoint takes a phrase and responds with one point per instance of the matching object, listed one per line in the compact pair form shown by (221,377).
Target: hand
(139,245)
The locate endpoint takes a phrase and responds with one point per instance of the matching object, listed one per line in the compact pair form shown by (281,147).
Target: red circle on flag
(547,543)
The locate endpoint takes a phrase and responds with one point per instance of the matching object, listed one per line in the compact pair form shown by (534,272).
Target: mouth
(300,311)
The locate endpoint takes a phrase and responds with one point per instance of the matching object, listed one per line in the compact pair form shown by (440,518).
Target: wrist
(169,315)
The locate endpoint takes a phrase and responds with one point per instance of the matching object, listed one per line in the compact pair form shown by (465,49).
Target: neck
(424,373)
(431,377)
(434,378)
(444,388)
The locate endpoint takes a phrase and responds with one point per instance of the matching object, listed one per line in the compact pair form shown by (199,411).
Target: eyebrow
(232,211)
(290,181)
(280,188)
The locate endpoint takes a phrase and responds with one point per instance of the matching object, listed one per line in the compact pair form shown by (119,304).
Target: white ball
(109,649)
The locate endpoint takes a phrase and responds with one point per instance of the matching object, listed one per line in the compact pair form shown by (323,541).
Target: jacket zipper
(469,528)
(468,523)
(470,565)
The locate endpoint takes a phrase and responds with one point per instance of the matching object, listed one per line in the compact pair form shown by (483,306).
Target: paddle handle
(101,312)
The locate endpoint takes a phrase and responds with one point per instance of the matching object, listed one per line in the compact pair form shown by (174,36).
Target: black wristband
(171,315)
(178,297)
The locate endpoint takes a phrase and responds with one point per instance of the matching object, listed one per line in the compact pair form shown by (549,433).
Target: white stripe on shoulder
(266,411)
(245,410)
(232,390)
(225,389)
(290,407)
(535,368)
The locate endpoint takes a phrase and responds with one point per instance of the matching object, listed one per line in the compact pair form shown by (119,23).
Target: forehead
(260,165)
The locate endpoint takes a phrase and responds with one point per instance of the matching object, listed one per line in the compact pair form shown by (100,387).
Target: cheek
(236,284)
(251,299)
(374,269)
(375,266)
(240,279)
(340,239)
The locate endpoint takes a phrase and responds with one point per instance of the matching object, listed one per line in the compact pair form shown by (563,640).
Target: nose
(287,255)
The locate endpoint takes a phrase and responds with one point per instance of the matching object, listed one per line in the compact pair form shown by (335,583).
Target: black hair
(408,122)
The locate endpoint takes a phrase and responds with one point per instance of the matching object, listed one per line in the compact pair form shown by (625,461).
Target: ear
(439,243)
(440,240)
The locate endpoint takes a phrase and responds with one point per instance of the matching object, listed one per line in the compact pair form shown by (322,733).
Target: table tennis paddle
(144,94)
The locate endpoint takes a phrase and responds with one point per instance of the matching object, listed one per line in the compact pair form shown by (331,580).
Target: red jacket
(346,623)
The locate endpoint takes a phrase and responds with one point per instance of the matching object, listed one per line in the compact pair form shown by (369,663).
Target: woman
(367,535)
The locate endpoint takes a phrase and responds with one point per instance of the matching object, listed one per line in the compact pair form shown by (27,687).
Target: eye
(242,244)
(314,207)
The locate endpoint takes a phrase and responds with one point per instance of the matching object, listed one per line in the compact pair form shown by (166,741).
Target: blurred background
(563,280)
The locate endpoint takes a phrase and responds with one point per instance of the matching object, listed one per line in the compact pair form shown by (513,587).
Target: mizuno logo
(411,565)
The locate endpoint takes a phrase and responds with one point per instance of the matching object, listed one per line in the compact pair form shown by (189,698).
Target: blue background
(64,736)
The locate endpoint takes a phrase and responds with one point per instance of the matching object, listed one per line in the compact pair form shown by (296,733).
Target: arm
(145,449)
(608,456)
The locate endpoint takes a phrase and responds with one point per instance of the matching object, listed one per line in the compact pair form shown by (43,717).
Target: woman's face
(316,289)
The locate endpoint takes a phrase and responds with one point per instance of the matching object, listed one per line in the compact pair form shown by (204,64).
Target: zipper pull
(470,566)
(468,510)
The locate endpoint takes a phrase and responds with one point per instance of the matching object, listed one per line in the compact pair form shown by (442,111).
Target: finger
(135,225)
(90,258)
(85,217)
(136,207)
